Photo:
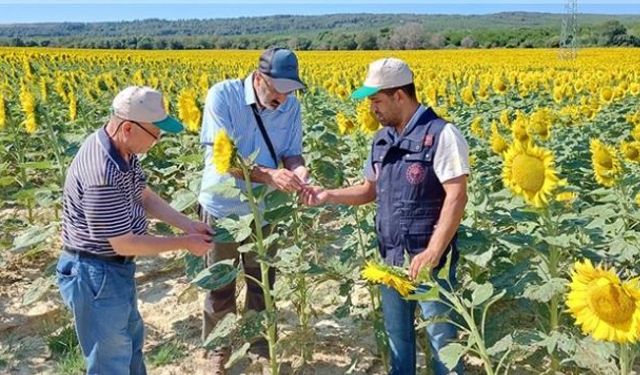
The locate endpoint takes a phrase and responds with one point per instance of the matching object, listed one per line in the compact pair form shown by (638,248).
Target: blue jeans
(102,297)
(399,322)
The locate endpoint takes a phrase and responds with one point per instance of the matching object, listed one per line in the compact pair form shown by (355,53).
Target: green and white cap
(144,104)
(383,74)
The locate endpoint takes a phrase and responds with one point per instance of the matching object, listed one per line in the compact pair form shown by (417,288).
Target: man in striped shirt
(105,206)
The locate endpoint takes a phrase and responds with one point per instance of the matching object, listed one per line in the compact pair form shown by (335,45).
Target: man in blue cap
(261,114)
(105,204)
(417,174)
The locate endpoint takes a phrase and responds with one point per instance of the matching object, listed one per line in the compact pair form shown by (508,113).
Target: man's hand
(284,180)
(426,258)
(302,172)
(194,227)
(313,195)
(198,244)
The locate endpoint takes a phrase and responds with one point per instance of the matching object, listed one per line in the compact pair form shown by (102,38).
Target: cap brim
(285,85)
(363,92)
(169,125)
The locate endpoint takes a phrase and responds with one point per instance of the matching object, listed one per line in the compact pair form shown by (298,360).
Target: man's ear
(126,128)
(399,96)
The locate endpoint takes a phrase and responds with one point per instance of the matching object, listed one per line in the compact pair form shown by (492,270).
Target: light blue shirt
(228,107)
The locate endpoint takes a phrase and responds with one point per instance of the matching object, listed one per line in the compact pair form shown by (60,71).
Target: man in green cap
(417,174)
(106,202)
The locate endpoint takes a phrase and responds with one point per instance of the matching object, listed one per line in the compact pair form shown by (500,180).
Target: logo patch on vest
(415,173)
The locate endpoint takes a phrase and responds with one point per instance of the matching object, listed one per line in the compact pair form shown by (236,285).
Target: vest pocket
(416,233)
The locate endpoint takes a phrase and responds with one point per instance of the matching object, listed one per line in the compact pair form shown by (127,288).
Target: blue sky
(93,11)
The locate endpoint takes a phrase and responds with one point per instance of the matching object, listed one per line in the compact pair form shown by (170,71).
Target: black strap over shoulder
(263,131)
(265,135)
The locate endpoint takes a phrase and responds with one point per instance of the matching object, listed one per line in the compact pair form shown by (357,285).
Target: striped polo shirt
(102,197)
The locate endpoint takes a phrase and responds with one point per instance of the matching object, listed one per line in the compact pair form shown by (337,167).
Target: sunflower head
(467,95)
(504,118)
(602,305)
(606,165)
(476,127)
(345,125)
(188,110)
(499,85)
(606,95)
(392,277)
(529,171)
(519,128)
(631,151)
(566,197)
(540,123)
(368,122)
(224,152)
(498,143)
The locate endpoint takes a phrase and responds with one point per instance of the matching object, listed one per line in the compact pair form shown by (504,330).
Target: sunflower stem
(270,307)
(625,368)
(20,158)
(381,335)
(553,265)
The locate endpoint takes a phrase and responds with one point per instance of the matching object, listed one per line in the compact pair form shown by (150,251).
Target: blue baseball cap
(281,65)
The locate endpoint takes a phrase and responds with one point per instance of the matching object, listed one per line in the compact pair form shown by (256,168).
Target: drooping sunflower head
(540,123)
(603,306)
(498,143)
(566,197)
(606,165)
(476,127)
(499,85)
(631,151)
(504,118)
(519,128)
(467,95)
(529,171)
(345,125)
(188,110)
(377,273)
(224,152)
(606,95)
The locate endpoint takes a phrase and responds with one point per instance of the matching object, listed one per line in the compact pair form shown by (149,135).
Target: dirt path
(339,344)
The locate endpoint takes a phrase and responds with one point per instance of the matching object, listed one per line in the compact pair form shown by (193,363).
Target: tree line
(333,32)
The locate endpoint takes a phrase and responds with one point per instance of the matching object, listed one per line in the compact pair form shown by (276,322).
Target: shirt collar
(112,152)
(406,132)
(250,96)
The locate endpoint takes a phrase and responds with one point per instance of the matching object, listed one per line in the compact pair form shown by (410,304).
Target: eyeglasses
(155,137)
(269,83)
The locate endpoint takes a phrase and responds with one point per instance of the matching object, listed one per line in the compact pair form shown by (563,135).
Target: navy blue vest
(409,194)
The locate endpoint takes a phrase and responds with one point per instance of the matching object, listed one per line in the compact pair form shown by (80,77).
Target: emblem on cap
(415,173)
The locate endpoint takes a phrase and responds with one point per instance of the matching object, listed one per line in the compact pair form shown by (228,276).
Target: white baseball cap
(144,104)
(383,74)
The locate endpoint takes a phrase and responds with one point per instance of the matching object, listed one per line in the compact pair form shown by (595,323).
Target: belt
(107,258)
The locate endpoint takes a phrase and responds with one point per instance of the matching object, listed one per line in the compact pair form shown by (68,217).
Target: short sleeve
(294,146)
(451,159)
(216,115)
(368,172)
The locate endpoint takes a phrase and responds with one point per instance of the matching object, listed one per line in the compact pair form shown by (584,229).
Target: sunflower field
(549,280)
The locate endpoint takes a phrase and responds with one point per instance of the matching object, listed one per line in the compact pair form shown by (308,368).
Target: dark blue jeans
(102,297)
(399,322)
